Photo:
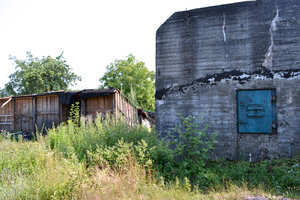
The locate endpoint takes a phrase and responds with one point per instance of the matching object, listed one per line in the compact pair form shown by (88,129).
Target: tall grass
(111,160)
(30,171)
(103,137)
(108,144)
(132,182)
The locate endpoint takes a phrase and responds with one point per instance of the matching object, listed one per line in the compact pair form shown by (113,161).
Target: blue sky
(92,33)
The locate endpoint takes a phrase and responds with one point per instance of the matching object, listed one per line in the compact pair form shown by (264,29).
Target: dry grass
(233,192)
(124,183)
(129,186)
(131,182)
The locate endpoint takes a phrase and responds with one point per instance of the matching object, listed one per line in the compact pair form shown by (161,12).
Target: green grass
(277,176)
(30,171)
(110,160)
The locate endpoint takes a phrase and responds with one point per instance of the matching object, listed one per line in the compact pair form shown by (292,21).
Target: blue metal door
(256,111)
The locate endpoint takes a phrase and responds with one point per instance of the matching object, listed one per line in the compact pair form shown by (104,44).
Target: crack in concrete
(225,77)
(268,61)
(224,28)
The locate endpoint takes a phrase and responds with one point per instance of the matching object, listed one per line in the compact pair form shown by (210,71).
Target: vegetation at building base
(110,160)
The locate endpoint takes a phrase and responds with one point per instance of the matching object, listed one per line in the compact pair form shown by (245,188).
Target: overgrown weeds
(192,147)
(30,171)
(111,160)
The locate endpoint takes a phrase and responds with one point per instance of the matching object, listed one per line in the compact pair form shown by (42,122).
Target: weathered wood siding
(24,114)
(30,112)
(6,114)
(47,111)
(115,104)
(102,105)
(125,110)
(44,111)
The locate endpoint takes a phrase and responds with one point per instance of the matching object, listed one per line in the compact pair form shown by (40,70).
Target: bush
(192,147)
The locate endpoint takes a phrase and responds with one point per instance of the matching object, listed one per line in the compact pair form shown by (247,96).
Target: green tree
(133,78)
(3,92)
(34,75)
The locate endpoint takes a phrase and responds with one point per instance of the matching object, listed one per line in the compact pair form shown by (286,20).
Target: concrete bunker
(237,66)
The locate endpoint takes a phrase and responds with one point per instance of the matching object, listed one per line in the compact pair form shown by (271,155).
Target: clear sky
(92,33)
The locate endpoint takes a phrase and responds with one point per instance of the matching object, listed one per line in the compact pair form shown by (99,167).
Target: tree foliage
(3,92)
(134,79)
(34,75)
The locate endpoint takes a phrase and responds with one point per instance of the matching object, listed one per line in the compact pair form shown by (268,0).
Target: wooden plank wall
(102,105)
(24,108)
(47,111)
(116,104)
(125,110)
(6,110)
(31,112)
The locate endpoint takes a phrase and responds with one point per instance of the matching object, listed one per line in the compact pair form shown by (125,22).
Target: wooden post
(117,104)
(59,110)
(83,107)
(13,113)
(34,108)
(113,105)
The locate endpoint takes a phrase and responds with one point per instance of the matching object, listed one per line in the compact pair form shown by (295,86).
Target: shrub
(192,147)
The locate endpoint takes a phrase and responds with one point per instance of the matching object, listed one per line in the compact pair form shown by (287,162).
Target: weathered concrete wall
(204,56)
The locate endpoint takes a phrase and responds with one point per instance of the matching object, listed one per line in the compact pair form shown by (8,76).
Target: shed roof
(97,93)
(67,96)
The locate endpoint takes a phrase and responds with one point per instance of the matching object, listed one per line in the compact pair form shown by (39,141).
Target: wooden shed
(28,112)
(108,101)
(41,111)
